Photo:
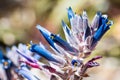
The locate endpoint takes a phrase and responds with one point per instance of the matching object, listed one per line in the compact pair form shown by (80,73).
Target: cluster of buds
(66,60)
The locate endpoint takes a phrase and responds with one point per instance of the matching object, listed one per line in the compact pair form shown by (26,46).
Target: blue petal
(66,28)
(68,35)
(58,40)
(42,52)
(26,56)
(103,20)
(101,31)
(1,55)
(52,38)
(47,36)
(70,13)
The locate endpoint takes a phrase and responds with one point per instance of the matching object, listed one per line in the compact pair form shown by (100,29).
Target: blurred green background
(18,19)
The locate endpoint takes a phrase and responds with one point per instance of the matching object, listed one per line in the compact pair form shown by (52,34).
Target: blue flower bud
(42,52)
(70,13)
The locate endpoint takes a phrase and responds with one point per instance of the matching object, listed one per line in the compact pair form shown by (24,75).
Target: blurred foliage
(115,3)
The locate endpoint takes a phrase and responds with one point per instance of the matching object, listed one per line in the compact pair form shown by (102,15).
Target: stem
(83,72)
(81,78)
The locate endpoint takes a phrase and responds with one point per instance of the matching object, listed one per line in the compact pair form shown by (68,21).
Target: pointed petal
(26,73)
(46,34)
(68,34)
(42,52)
(59,41)
(96,21)
(70,13)
(80,24)
(91,62)
(85,21)
(66,29)
(77,24)
(26,56)
(101,31)
(55,39)
(22,47)
(103,20)
(46,54)
(14,58)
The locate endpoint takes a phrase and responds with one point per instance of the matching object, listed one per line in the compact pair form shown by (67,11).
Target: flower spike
(81,40)
(68,61)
